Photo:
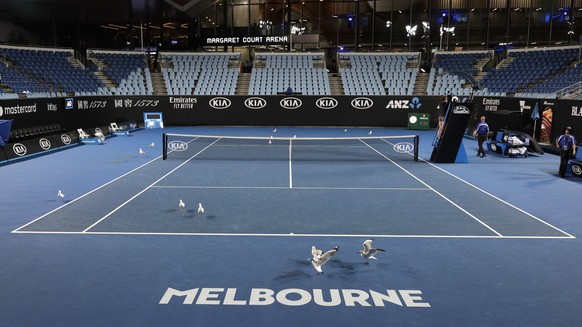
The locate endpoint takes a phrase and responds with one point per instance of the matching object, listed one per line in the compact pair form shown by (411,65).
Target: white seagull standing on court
(152,145)
(319,258)
(61,195)
(200,208)
(182,205)
(141,151)
(275,130)
(370,133)
(368,252)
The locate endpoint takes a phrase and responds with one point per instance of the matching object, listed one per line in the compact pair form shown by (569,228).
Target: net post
(416,139)
(164,146)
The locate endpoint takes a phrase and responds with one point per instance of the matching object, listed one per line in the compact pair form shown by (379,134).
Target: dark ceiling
(99,11)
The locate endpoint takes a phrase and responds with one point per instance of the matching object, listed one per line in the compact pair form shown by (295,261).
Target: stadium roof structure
(98,11)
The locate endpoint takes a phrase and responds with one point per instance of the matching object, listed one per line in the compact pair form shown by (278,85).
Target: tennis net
(215,147)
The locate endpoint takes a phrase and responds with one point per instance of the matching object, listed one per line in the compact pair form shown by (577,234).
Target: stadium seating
(128,71)
(304,73)
(378,74)
(45,73)
(446,75)
(200,73)
(531,72)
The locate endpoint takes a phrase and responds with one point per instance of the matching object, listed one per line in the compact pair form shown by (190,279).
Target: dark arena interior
(290,163)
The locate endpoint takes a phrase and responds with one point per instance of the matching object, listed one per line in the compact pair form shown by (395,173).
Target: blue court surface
(492,242)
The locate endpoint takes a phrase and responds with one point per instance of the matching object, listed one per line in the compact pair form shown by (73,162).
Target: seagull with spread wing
(319,258)
(182,206)
(368,252)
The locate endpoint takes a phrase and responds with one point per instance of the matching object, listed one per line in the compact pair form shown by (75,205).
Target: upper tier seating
(46,73)
(523,70)
(128,70)
(378,74)
(449,68)
(304,73)
(200,73)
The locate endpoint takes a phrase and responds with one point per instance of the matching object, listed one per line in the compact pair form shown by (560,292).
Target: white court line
(499,199)
(147,188)
(290,165)
(435,191)
(296,187)
(298,235)
(499,236)
(88,193)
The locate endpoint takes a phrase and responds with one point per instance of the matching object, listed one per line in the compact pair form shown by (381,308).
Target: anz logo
(326,103)
(255,103)
(290,103)
(362,103)
(219,103)
(413,103)
(404,147)
(177,146)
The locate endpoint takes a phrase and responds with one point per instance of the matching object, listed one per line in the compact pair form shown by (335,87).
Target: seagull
(320,258)
(345,130)
(141,151)
(370,133)
(368,252)
(182,205)
(200,208)
(152,145)
(275,130)
(60,195)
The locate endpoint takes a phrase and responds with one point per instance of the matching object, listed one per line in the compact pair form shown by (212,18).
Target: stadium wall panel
(388,111)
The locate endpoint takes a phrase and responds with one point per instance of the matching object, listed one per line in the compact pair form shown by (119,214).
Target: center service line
(437,192)
(290,165)
(147,188)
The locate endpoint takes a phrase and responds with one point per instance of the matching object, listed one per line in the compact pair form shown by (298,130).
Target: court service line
(300,235)
(148,187)
(290,164)
(86,194)
(295,187)
(500,200)
(434,190)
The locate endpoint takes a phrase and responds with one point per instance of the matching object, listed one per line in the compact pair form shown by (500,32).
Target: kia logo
(177,146)
(362,103)
(326,103)
(44,144)
(290,103)
(219,103)
(19,149)
(403,147)
(255,103)
(66,139)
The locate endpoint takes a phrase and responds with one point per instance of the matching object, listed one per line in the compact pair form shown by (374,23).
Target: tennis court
(460,249)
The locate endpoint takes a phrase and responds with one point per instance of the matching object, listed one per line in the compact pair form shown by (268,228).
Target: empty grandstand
(275,72)
(200,73)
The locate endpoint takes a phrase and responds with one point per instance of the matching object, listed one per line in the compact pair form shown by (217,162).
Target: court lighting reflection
(443,30)
(410,31)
